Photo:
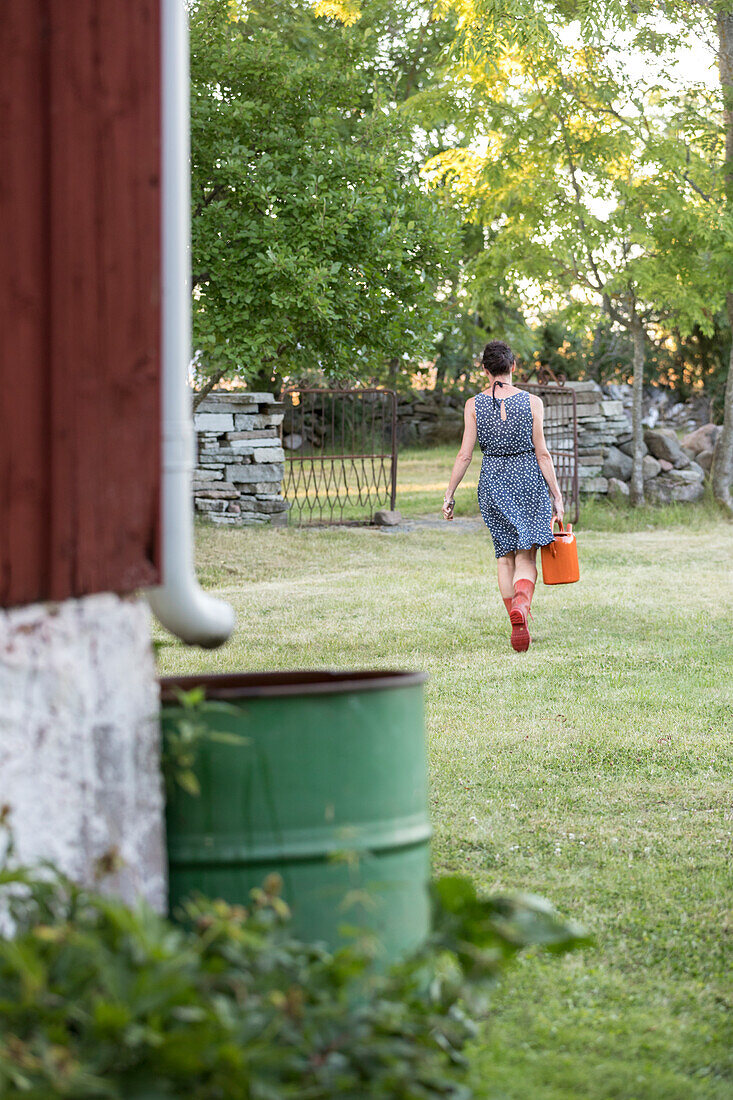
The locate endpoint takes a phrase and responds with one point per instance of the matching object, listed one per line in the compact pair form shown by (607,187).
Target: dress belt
(508,454)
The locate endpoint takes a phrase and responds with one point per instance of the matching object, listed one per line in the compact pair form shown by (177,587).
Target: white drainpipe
(180,604)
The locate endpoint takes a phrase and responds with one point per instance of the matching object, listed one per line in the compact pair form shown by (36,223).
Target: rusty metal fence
(340,454)
(561,433)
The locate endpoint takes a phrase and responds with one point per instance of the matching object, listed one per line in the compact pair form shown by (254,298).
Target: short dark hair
(498,357)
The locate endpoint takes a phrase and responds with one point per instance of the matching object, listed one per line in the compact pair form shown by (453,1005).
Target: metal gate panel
(344,466)
(561,434)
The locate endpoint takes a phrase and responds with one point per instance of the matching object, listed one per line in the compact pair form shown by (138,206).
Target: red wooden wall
(79,297)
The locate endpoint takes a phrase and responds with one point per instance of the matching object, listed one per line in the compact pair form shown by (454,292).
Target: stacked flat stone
(240,461)
(602,424)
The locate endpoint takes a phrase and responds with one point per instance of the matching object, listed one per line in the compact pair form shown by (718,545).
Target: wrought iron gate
(561,432)
(340,453)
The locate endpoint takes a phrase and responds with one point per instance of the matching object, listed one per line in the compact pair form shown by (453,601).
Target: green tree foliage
(656,28)
(594,192)
(315,247)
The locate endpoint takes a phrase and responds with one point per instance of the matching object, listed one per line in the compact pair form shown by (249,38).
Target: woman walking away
(516,481)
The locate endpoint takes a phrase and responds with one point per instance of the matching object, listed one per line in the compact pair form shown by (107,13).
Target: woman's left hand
(448,506)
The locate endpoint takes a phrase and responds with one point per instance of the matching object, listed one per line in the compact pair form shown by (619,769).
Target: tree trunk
(722,473)
(203,393)
(637,428)
(723,459)
(594,369)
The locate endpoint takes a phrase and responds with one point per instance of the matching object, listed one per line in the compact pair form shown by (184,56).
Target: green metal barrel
(328,789)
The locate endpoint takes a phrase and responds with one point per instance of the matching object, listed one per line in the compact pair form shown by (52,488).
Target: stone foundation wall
(79,753)
(239,471)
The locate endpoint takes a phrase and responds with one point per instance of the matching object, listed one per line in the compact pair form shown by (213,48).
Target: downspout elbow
(180,604)
(182,607)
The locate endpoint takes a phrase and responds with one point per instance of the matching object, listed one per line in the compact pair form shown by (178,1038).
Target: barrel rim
(258,685)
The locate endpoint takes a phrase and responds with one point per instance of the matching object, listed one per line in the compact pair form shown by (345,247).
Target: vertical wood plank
(105,276)
(24,319)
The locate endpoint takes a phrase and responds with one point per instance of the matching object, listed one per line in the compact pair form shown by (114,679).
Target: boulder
(705,459)
(665,465)
(617,490)
(293,442)
(688,477)
(703,439)
(617,465)
(687,494)
(651,467)
(628,448)
(385,518)
(671,487)
(659,490)
(664,445)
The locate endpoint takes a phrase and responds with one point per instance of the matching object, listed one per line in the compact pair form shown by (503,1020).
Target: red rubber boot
(523,592)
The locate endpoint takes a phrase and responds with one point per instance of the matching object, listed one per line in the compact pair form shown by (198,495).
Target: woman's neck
(505,379)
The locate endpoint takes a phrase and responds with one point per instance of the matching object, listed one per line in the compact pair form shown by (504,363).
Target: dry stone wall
(605,450)
(238,479)
(240,461)
(602,424)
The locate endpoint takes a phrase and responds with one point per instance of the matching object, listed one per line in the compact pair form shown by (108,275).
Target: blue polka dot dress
(512,493)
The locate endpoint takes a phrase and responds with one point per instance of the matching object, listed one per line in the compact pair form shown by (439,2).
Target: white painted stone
(79,754)
(213,422)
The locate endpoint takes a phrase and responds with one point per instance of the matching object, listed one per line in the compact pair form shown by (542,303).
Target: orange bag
(560,558)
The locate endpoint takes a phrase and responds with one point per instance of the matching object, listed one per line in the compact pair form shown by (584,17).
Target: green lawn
(595,769)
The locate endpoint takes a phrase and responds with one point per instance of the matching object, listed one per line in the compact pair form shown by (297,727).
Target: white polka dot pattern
(512,493)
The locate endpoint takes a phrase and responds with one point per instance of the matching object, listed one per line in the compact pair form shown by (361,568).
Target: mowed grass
(594,770)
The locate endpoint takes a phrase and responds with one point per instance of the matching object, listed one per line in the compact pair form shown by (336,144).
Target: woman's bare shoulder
(535,400)
(470,405)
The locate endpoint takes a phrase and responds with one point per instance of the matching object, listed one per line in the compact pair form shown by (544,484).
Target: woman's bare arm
(544,457)
(463,459)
